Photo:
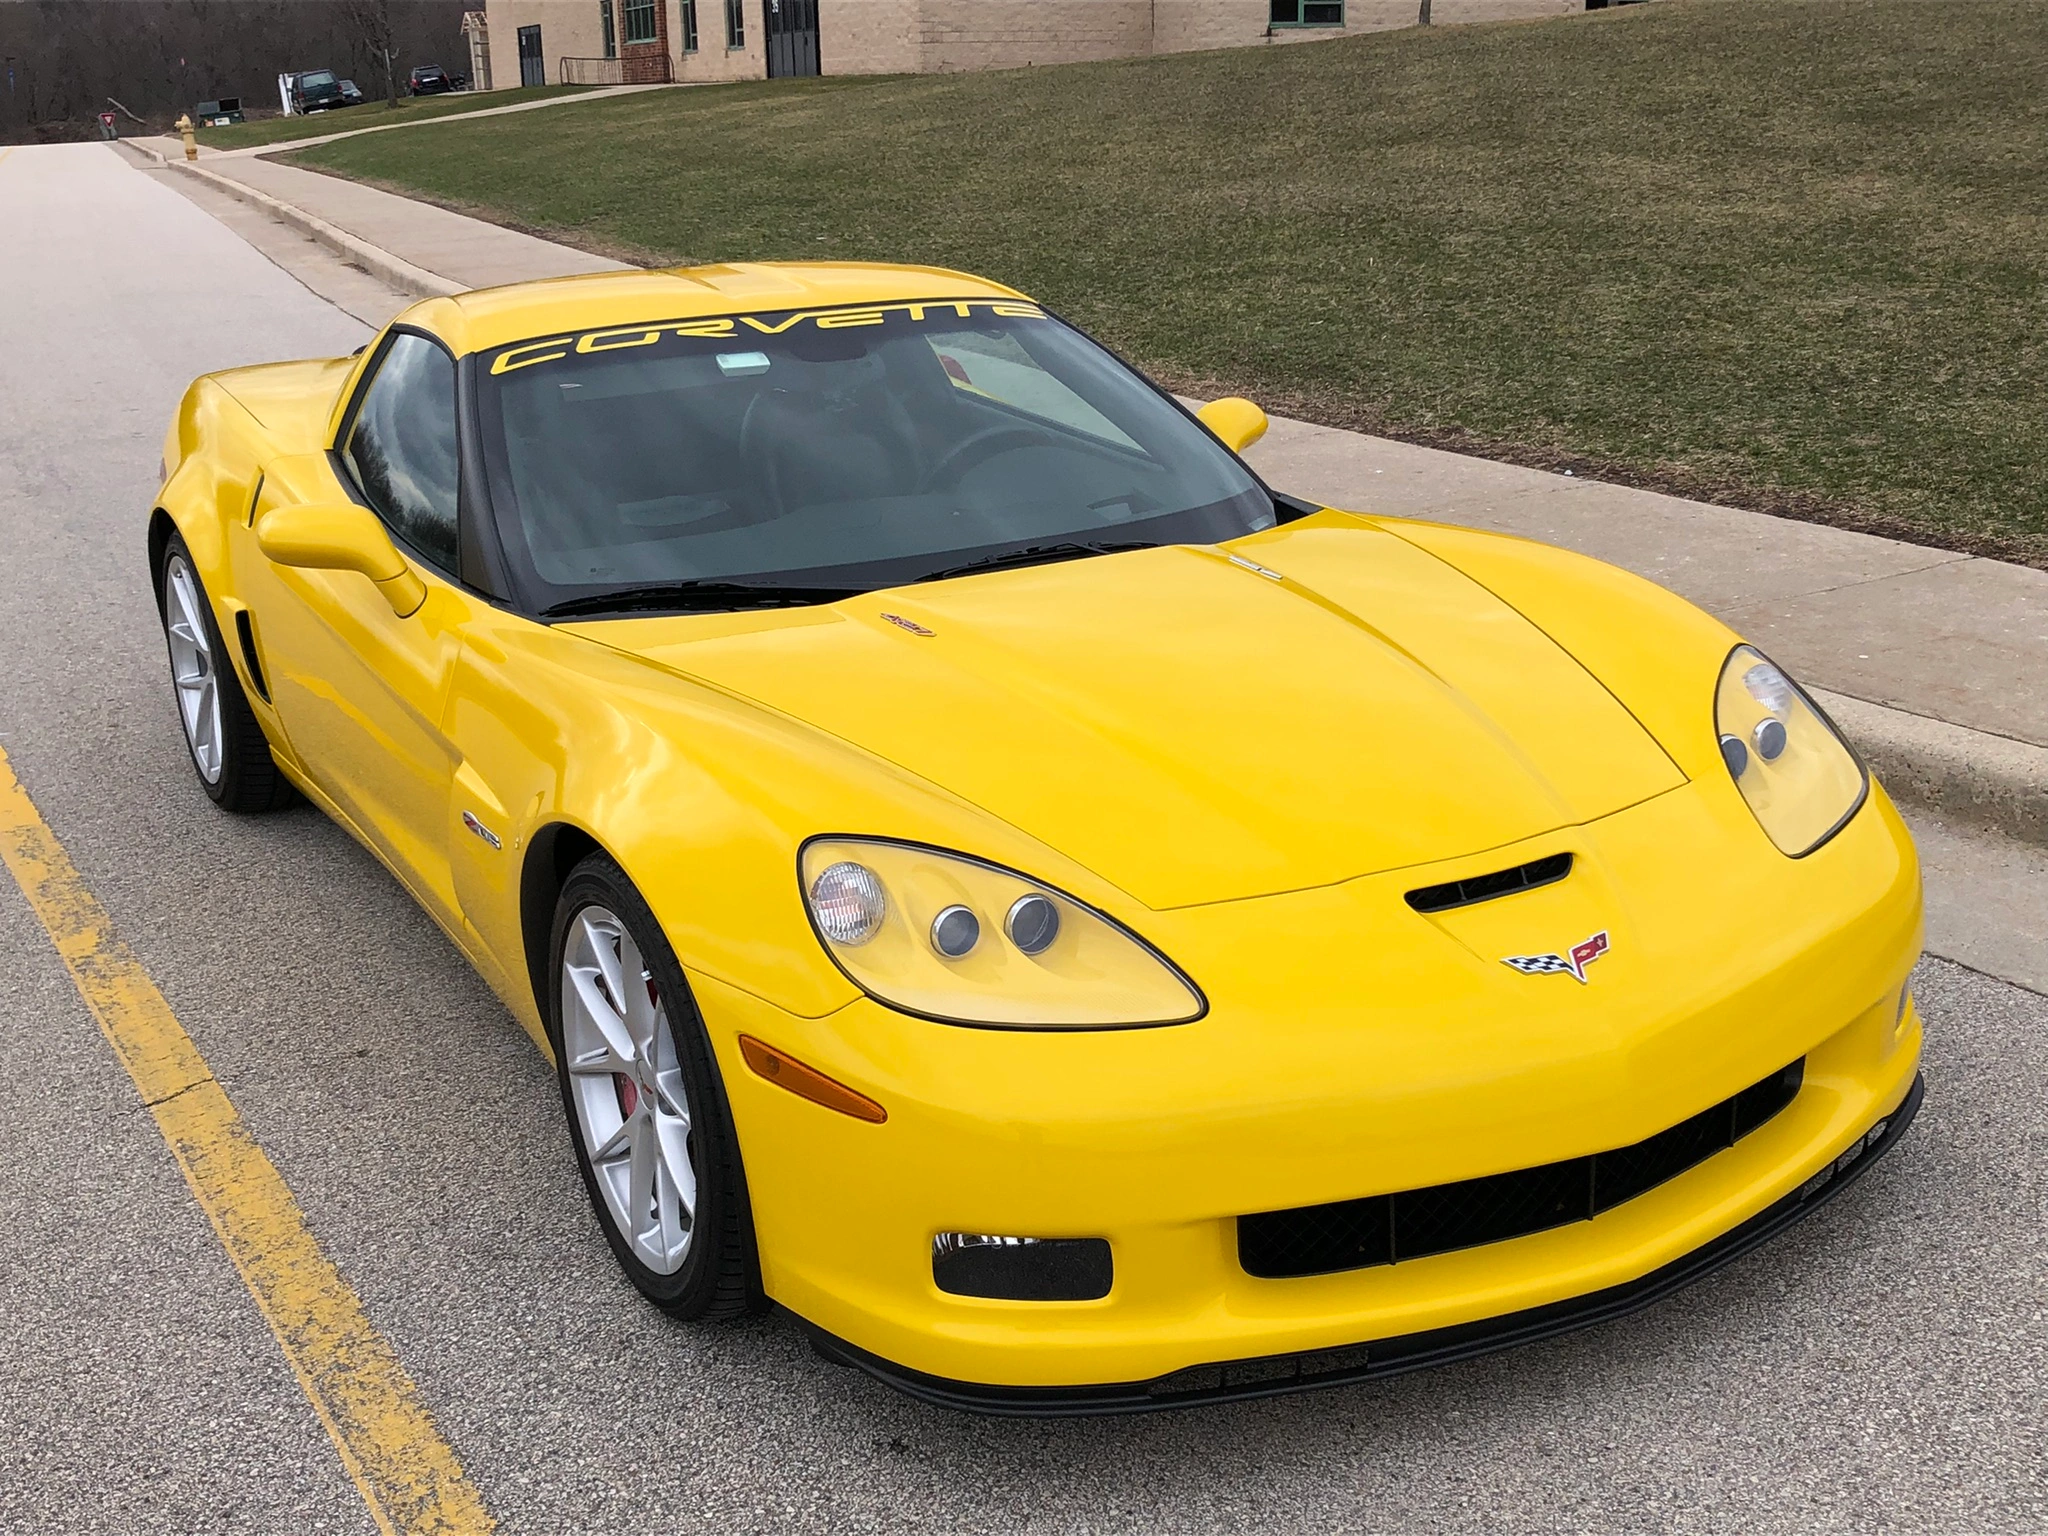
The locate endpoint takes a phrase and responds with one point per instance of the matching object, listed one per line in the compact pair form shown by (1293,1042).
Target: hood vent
(1504,882)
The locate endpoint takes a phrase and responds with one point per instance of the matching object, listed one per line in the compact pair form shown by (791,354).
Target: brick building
(613,41)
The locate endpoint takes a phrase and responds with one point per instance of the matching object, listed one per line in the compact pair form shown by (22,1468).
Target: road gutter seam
(392,270)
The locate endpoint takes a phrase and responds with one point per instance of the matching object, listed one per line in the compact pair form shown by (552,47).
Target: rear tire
(647,1110)
(223,737)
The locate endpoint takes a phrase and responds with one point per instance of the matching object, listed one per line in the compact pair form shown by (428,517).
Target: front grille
(1413,1223)
(1502,882)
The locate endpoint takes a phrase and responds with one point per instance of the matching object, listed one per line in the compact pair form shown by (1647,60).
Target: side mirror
(337,536)
(1238,422)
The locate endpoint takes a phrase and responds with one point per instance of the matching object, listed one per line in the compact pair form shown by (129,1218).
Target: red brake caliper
(629,1091)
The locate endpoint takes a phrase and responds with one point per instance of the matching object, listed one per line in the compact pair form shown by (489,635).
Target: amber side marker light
(785,1071)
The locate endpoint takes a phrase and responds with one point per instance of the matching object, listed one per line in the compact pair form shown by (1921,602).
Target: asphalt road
(1881,1367)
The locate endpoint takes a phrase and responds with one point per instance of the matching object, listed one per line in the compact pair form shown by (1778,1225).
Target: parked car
(1082,930)
(315,90)
(351,94)
(429,80)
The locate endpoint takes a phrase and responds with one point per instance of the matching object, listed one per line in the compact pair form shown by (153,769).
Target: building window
(689,26)
(735,23)
(1308,13)
(611,37)
(640,21)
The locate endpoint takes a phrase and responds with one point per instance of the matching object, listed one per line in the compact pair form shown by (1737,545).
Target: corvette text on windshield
(554,348)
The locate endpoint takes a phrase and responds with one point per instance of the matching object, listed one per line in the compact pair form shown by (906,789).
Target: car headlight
(1796,772)
(961,941)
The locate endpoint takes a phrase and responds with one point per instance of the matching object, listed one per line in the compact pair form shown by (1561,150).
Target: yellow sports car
(1080,929)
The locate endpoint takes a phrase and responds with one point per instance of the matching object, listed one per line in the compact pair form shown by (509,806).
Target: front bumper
(1275,1375)
(1295,1092)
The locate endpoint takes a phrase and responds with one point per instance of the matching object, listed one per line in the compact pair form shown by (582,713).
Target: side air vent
(246,634)
(1502,882)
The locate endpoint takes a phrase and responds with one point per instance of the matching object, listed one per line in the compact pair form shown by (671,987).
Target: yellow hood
(1195,729)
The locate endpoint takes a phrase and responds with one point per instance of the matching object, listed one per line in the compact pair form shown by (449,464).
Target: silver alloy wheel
(192,667)
(631,1110)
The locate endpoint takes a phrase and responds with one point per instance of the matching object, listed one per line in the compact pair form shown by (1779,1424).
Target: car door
(361,691)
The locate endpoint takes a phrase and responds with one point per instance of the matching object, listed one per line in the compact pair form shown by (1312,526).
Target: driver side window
(401,448)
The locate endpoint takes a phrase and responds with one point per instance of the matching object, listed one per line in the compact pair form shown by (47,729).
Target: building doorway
(792,37)
(533,69)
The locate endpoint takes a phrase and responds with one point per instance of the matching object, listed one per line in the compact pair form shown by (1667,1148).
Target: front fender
(1654,651)
(210,454)
(702,797)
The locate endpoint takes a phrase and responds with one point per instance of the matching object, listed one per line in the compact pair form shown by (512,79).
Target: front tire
(646,1106)
(223,737)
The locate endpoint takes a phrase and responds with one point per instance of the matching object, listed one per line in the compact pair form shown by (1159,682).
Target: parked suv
(314,90)
(428,80)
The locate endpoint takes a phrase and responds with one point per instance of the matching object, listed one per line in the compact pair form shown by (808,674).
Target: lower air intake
(1411,1224)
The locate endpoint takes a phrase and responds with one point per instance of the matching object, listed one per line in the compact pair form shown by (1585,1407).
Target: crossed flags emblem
(1573,964)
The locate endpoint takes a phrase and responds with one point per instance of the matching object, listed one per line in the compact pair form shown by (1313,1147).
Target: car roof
(493,317)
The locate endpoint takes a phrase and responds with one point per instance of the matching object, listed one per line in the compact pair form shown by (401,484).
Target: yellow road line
(407,1473)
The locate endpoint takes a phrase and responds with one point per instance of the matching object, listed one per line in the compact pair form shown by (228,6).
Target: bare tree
(61,59)
(371,22)
(1422,20)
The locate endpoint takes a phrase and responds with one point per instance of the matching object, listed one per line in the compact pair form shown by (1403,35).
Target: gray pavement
(1880,1368)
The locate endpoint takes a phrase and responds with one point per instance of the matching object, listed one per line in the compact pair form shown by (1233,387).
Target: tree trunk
(1422,20)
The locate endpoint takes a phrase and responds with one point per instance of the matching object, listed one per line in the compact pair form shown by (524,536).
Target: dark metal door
(533,69)
(792,37)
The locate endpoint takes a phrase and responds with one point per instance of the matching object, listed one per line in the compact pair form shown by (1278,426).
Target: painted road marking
(406,1472)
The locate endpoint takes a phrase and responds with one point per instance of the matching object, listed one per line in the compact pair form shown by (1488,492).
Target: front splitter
(1273,1375)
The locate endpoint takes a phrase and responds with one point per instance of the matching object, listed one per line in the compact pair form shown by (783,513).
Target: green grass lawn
(1791,255)
(374,113)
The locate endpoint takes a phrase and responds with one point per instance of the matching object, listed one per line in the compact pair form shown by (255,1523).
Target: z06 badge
(1573,964)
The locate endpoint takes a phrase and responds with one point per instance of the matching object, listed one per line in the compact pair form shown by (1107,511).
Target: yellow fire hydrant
(185,132)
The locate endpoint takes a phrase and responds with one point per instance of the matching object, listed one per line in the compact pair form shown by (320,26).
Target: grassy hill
(1790,254)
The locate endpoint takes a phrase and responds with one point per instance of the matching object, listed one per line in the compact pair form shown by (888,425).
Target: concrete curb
(375,260)
(1992,782)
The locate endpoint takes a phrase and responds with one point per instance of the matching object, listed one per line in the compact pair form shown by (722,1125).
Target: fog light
(1022,1268)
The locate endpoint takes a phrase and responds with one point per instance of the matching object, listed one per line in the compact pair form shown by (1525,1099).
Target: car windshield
(824,452)
(316,77)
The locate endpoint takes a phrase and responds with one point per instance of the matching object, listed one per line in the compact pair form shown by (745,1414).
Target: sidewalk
(465,253)
(170,147)
(1935,663)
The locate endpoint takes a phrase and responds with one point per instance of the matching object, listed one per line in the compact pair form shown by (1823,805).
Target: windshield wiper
(698,596)
(1036,554)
